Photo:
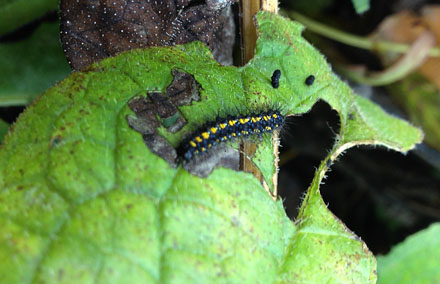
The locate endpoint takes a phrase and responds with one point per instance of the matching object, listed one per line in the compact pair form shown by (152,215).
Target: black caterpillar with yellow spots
(225,129)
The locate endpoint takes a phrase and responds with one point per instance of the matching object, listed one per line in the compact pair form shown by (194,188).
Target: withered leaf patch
(161,108)
(95,29)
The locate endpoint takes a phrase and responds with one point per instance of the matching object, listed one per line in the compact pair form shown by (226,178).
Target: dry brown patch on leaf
(156,109)
(161,109)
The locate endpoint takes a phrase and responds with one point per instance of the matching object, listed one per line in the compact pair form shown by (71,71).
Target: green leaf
(16,13)
(415,260)
(83,199)
(4,126)
(322,244)
(361,6)
(31,66)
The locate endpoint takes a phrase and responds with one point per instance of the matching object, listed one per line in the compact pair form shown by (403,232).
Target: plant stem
(354,40)
(248,8)
(13,100)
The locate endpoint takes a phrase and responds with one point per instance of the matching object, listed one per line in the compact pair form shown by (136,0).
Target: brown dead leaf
(95,29)
(431,16)
(407,27)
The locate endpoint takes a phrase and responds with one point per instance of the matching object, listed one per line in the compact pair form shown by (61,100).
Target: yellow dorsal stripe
(205,135)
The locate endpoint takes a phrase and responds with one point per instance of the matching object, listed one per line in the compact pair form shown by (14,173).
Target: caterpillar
(225,129)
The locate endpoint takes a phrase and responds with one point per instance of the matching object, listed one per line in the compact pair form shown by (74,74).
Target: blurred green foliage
(414,261)
(30,66)
(16,13)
